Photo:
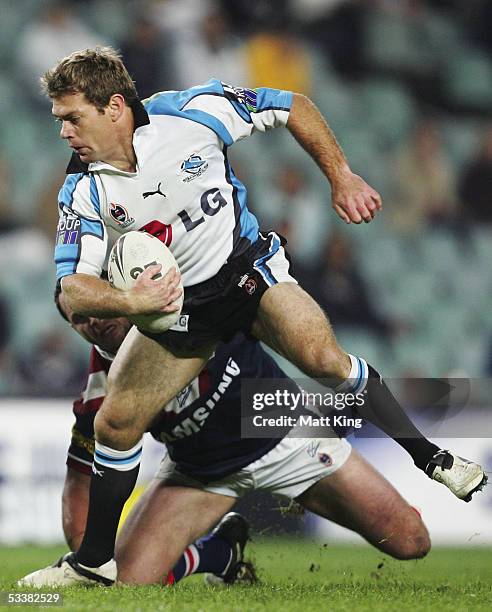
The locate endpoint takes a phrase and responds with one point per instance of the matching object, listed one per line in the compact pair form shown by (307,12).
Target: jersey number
(211,202)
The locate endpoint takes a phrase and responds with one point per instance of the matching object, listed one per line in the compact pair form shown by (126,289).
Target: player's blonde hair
(97,73)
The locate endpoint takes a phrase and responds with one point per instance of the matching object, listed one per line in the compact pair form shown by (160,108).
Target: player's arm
(93,296)
(352,198)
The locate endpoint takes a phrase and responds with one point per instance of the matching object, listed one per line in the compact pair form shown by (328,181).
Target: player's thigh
(162,524)
(293,324)
(143,377)
(358,497)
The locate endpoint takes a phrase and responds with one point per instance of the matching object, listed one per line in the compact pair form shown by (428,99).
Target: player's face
(108,334)
(89,132)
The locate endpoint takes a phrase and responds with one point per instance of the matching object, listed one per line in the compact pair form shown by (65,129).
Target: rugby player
(161,166)
(201,438)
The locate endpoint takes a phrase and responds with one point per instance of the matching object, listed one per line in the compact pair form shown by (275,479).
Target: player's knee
(116,430)
(415,543)
(324,361)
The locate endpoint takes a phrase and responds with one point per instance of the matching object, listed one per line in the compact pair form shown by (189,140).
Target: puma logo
(146,194)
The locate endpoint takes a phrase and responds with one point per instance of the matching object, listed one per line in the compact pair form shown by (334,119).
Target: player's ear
(116,106)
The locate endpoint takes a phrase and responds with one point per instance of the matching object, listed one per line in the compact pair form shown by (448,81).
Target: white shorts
(289,469)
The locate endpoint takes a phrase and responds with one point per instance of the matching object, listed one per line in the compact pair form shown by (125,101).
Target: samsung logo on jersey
(193,423)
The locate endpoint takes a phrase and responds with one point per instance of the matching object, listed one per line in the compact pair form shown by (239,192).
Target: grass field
(296,575)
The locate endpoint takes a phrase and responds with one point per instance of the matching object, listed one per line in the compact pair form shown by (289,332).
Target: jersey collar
(104,354)
(140,118)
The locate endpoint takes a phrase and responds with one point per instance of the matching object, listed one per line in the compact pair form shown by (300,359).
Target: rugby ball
(131,254)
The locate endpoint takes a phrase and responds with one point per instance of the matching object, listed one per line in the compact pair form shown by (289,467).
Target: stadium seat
(395,43)
(460,138)
(468,78)
(388,111)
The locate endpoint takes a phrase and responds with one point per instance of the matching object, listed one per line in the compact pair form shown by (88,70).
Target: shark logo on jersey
(194,167)
(120,215)
(248,97)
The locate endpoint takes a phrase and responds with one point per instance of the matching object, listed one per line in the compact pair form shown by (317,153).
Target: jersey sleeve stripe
(95,196)
(211,122)
(91,227)
(273,99)
(248,225)
(65,196)
(66,259)
(174,104)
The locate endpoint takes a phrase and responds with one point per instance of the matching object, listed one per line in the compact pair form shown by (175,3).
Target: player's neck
(123,155)
(125,160)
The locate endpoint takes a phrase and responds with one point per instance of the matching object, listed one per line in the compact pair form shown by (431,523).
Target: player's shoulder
(74,182)
(168,102)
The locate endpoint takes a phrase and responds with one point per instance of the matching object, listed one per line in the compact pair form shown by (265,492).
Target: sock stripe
(102,457)
(357,378)
(364,373)
(359,375)
(118,460)
(192,559)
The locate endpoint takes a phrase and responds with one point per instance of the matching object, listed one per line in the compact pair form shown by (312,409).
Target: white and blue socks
(382,410)
(114,474)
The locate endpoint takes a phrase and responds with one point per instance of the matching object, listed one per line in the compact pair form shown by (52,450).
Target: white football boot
(67,572)
(462,477)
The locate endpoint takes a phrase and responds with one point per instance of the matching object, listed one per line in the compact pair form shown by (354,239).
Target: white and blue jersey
(183,190)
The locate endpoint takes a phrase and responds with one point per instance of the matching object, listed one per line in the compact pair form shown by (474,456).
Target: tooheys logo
(248,97)
(68,230)
(192,424)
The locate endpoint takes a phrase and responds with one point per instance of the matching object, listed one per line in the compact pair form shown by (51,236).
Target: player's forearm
(312,132)
(94,297)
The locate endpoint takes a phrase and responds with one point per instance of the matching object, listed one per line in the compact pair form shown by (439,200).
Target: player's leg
(75,502)
(293,324)
(167,520)
(356,496)
(143,378)
(211,554)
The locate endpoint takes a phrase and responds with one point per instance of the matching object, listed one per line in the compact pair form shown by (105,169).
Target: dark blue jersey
(201,427)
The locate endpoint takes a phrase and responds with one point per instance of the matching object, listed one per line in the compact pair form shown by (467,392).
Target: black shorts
(217,308)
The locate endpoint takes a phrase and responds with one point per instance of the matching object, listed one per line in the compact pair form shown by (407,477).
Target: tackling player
(162,167)
(201,453)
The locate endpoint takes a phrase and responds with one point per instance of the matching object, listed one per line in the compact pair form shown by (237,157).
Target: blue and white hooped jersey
(184,190)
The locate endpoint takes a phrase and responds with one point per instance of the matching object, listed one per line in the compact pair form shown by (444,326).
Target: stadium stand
(415,64)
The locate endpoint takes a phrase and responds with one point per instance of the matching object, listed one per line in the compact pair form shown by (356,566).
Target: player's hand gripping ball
(131,254)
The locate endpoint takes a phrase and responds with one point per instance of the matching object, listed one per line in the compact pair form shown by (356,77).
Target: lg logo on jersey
(211,202)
